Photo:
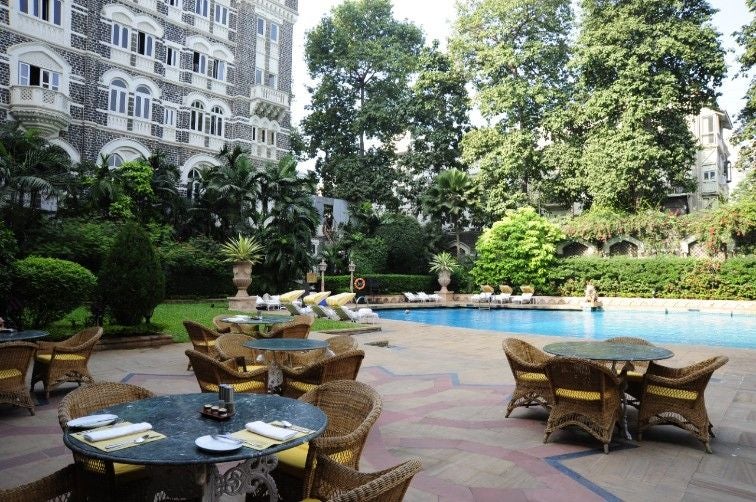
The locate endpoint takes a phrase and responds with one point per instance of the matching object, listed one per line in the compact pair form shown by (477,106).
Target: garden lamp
(351,268)
(322,267)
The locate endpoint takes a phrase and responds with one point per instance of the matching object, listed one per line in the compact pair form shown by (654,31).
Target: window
(171,56)
(260,27)
(258,76)
(193,184)
(169,117)
(262,136)
(39,77)
(254,134)
(142,98)
(144,44)
(118,96)
(120,36)
(199,62)
(272,80)
(114,160)
(46,10)
(219,70)
(200,7)
(271,138)
(221,14)
(173,3)
(707,130)
(216,121)
(274,32)
(710,175)
(197,118)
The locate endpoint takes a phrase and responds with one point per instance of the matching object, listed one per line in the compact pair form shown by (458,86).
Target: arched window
(120,36)
(114,160)
(216,121)
(193,184)
(142,102)
(197,121)
(118,96)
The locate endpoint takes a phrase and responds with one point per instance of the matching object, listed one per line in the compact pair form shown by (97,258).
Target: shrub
(405,241)
(48,288)
(370,255)
(387,283)
(131,282)
(8,250)
(195,269)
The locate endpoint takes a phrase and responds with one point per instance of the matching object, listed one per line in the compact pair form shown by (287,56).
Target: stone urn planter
(444,278)
(242,278)
(243,252)
(444,264)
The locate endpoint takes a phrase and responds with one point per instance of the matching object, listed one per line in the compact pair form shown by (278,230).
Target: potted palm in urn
(443,264)
(244,253)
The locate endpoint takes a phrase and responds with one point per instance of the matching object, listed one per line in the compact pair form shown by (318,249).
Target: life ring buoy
(359,284)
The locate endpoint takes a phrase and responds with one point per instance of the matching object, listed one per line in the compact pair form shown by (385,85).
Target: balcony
(174,13)
(36,27)
(220,30)
(199,80)
(197,139)
(170,133)
(145,63)
(172,73)
(43,109)
(120,122)
(202,23)
(265,152)
(120,56)
(216,143)
(147,4)
(269,103)
(141,126)
(709,187)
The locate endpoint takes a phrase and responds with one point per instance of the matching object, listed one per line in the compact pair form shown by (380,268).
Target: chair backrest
(299,327)
(341,343)
(344,366)
(84,400)
(231,346)
(224,327)
(199,335)
(205,370)
(83,336)
(58,486)
(524,357)
(486,289)
(334,482)
(693,378)
(567,374)
(16,356)
(210,373)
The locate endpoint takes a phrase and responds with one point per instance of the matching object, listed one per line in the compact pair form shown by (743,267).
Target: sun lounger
(523,298)
(295,309)
(324,312)
(363,315)
(267,302)
(424,297)
(411,297)
(503,298)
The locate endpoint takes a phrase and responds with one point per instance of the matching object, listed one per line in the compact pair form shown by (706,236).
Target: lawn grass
(168,318)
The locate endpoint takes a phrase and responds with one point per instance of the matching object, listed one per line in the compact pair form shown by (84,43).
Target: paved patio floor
(445,392)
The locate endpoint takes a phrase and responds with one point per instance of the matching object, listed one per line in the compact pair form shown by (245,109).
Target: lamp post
(351,267)
(322,267)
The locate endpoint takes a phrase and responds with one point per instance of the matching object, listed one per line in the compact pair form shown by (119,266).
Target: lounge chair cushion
(45,358)
(290,296)
(687,395)
(9,373)
(340,299)
(532,377)
(582,395)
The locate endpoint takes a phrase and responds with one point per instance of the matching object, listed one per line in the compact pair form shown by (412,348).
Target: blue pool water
(694,328)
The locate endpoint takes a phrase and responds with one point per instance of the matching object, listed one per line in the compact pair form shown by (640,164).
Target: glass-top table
(260,320)
(178,417)
(21,336)
(274,345)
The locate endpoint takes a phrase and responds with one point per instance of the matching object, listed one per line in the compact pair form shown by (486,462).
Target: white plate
(92,421)
(207,443)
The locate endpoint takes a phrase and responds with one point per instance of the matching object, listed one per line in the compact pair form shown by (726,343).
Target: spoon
(138,440)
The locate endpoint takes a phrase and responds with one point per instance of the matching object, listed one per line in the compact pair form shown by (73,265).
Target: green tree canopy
(746,133)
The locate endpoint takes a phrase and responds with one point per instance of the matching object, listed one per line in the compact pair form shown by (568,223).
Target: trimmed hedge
(192,271)
(659,277)
(387,283)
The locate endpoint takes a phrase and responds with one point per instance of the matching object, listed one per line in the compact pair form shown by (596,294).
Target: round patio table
(263,321)
(178,417)
(21,336)
(614,352)
(274,345)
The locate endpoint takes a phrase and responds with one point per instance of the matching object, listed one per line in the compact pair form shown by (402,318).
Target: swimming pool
(695,328)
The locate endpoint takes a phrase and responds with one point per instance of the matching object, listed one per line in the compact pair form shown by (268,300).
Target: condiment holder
(226,407)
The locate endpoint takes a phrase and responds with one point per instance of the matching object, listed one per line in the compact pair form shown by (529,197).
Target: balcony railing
(43,109)
(268,102)
(120,122)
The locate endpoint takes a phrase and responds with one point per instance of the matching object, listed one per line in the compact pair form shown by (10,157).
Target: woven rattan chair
(57,487)
(299,327)
(225,327)
(15,358)
(344,366)
(528,365)
(211,373)
(634,377)
(231,346)
(203,339)
(585,394)
(334,482)
(98,477)
(66,361)
(352,408)
(675,396)
(336,345)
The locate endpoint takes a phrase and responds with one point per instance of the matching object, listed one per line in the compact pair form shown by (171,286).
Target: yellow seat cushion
(295,458)
(123,469)
(301,386)
(9,373)
(532,377)
(202,343)
(688,395)
(252,385)
(582,395)
(311,500)
(634,376)
(45,358)
(251,367)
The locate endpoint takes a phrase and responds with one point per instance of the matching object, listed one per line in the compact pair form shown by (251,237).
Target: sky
(436,17)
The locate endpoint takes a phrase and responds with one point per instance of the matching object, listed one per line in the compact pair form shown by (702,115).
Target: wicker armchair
(15,358)
(231,346)
(675,396)
(634,377)
(352,408)
(56,487)
(203,339)
(99,477)
(528,365)
(299,327)
(341,343)
(336,345)
(585,394)
(66,361)
(211,373)
(334,482)
(225,327)
(344,366)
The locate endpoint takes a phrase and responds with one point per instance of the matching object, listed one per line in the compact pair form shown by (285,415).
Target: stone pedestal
(446,296)
(242,304)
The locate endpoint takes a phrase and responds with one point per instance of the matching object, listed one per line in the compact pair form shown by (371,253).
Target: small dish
(208,443)
(92,421)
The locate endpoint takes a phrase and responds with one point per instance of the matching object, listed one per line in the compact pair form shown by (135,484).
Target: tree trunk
(362,130)
(457,232)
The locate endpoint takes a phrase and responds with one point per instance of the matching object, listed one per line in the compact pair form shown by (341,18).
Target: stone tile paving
(445,392)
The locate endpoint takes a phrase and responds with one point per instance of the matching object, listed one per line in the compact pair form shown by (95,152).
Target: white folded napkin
(116,432)
(270,431)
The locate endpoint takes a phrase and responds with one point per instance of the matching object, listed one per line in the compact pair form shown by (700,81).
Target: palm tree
(232,189)
(169,205)
(452,200)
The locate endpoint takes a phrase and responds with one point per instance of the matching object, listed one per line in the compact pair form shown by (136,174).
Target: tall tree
(746,132)
(362,59)
(438,115)
(516,52)
(644,66)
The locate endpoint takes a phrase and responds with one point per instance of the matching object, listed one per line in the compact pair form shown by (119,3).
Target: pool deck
(445,392)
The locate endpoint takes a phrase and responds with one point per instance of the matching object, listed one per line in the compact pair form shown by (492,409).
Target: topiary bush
(46,289)
(131,282)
